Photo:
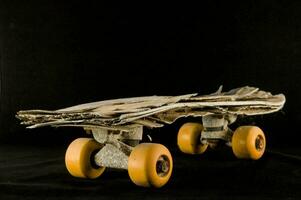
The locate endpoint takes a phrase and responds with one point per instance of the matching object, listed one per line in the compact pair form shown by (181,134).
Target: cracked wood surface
(155,111)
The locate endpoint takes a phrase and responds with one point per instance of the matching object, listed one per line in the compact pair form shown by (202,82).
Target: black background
(55,54)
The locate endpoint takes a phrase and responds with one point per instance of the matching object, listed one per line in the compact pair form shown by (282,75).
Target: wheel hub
(259,143)
(162,166)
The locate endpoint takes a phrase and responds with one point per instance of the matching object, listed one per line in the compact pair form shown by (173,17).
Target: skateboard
(116,130)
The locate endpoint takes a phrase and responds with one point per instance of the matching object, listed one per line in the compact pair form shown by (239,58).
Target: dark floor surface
(34,172)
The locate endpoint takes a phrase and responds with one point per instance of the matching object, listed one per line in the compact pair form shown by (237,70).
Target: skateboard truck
(118,143)
(247,142)
(215,127)
(148,164)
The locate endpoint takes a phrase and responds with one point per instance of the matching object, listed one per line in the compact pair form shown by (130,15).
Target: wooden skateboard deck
(155,111)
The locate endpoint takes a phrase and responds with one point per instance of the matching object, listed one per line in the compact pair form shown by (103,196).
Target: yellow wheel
(248,142)
(79,158)
(150,165)
(189,139)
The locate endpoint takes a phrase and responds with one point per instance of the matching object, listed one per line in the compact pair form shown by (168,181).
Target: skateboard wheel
(150,165)
(189,139)
(248,142)
(79,158)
